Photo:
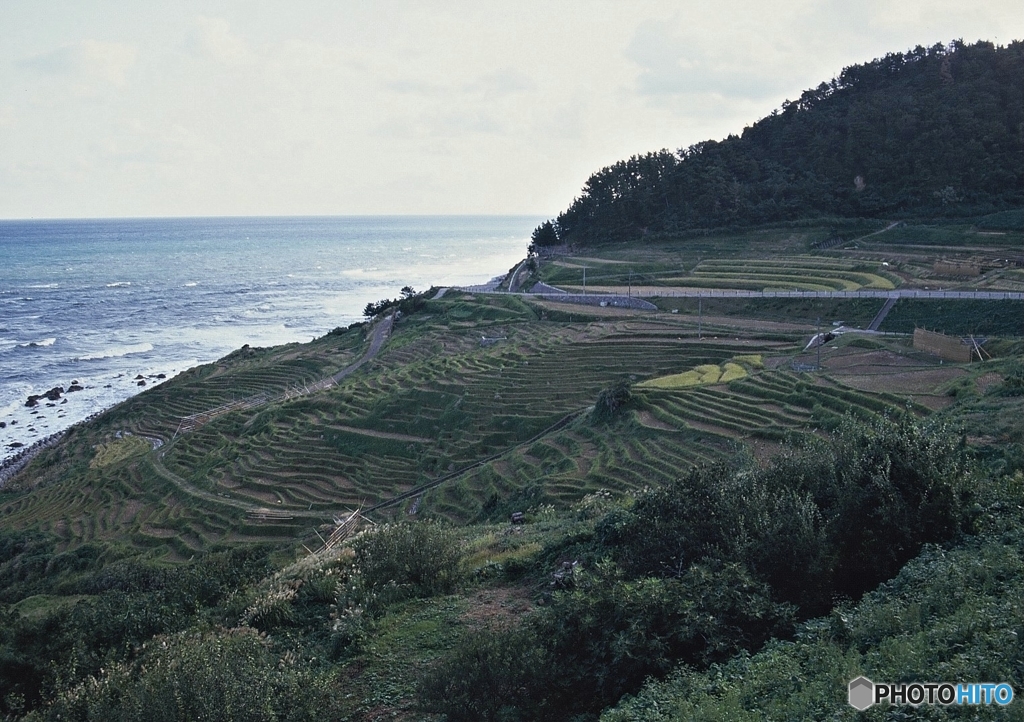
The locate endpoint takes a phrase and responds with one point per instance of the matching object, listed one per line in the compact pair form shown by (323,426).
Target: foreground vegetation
(519,509)
(678,545)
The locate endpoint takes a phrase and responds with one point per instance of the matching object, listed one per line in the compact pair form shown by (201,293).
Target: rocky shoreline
(10,467)
(41,415)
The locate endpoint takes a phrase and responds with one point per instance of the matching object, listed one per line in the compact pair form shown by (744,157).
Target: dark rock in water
(108,386)
(142,383)
(53,394)
(74,382)
(14,422)
(161,376)
(64,401)
(15,445)
(3,424)
(140,376)
(75,387)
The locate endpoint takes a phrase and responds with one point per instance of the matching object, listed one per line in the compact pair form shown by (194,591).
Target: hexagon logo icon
(861,693)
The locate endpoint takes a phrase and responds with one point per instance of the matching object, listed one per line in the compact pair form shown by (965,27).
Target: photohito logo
(862,693)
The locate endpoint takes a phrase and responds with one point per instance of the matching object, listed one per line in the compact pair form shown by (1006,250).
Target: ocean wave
(374,273)
(191,284)
(119,284)
(34,344)
(44,285)
(117,351)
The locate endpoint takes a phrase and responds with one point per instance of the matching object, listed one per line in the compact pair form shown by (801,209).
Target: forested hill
(929,133)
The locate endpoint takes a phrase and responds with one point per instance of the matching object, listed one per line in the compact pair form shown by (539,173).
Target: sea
(99,303)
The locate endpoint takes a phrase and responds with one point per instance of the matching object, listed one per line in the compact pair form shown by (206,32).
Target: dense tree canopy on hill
(929,133)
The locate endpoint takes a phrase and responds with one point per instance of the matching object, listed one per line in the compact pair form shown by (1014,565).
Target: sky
(128,109)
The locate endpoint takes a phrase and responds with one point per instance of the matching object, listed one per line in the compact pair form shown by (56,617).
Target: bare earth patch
(130,510)
(869,361)
(764,451)
(923,381)
(647,419)
(987,381)
(492,607)
(711,428)
(933,402)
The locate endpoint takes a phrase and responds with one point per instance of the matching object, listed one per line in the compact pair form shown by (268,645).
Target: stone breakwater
(10,467)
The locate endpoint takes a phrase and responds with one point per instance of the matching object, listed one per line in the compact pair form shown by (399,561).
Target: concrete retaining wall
(603,300)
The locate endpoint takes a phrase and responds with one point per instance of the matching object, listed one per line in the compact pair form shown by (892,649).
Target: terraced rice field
(124,501)
(127,499)
(804,272)
(435,403)
(675,430)
(242,374)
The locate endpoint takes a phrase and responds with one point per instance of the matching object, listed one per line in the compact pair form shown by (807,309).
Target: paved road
(380,334)
(867,293)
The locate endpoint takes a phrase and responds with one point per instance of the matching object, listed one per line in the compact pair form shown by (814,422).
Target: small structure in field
(948,348)
(956,269)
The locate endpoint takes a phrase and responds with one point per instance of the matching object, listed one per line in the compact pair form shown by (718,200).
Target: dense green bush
(123,604)
(831,518)
(950,615)
(406,560)
(1013,381)
(726,558)
(608,634)
(225,675)
(490,676)
(612,401)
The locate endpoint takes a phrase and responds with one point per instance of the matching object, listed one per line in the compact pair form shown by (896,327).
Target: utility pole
(629,291)
(584,280)
(818,324)
(700,316)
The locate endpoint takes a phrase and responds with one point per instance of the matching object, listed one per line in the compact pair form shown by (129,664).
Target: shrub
(489,676)
(831,518)
(609,634)
(180,677)
(221,675)
(1013,382)
(405,560)
(612,401)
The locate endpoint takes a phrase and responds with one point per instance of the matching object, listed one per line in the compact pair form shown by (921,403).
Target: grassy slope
(437,400)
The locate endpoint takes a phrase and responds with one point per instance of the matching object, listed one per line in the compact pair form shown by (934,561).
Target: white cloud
(51,62)
(92,61)
(671,63)
(501,83)
(109,62)
(219,43)
(406,107)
